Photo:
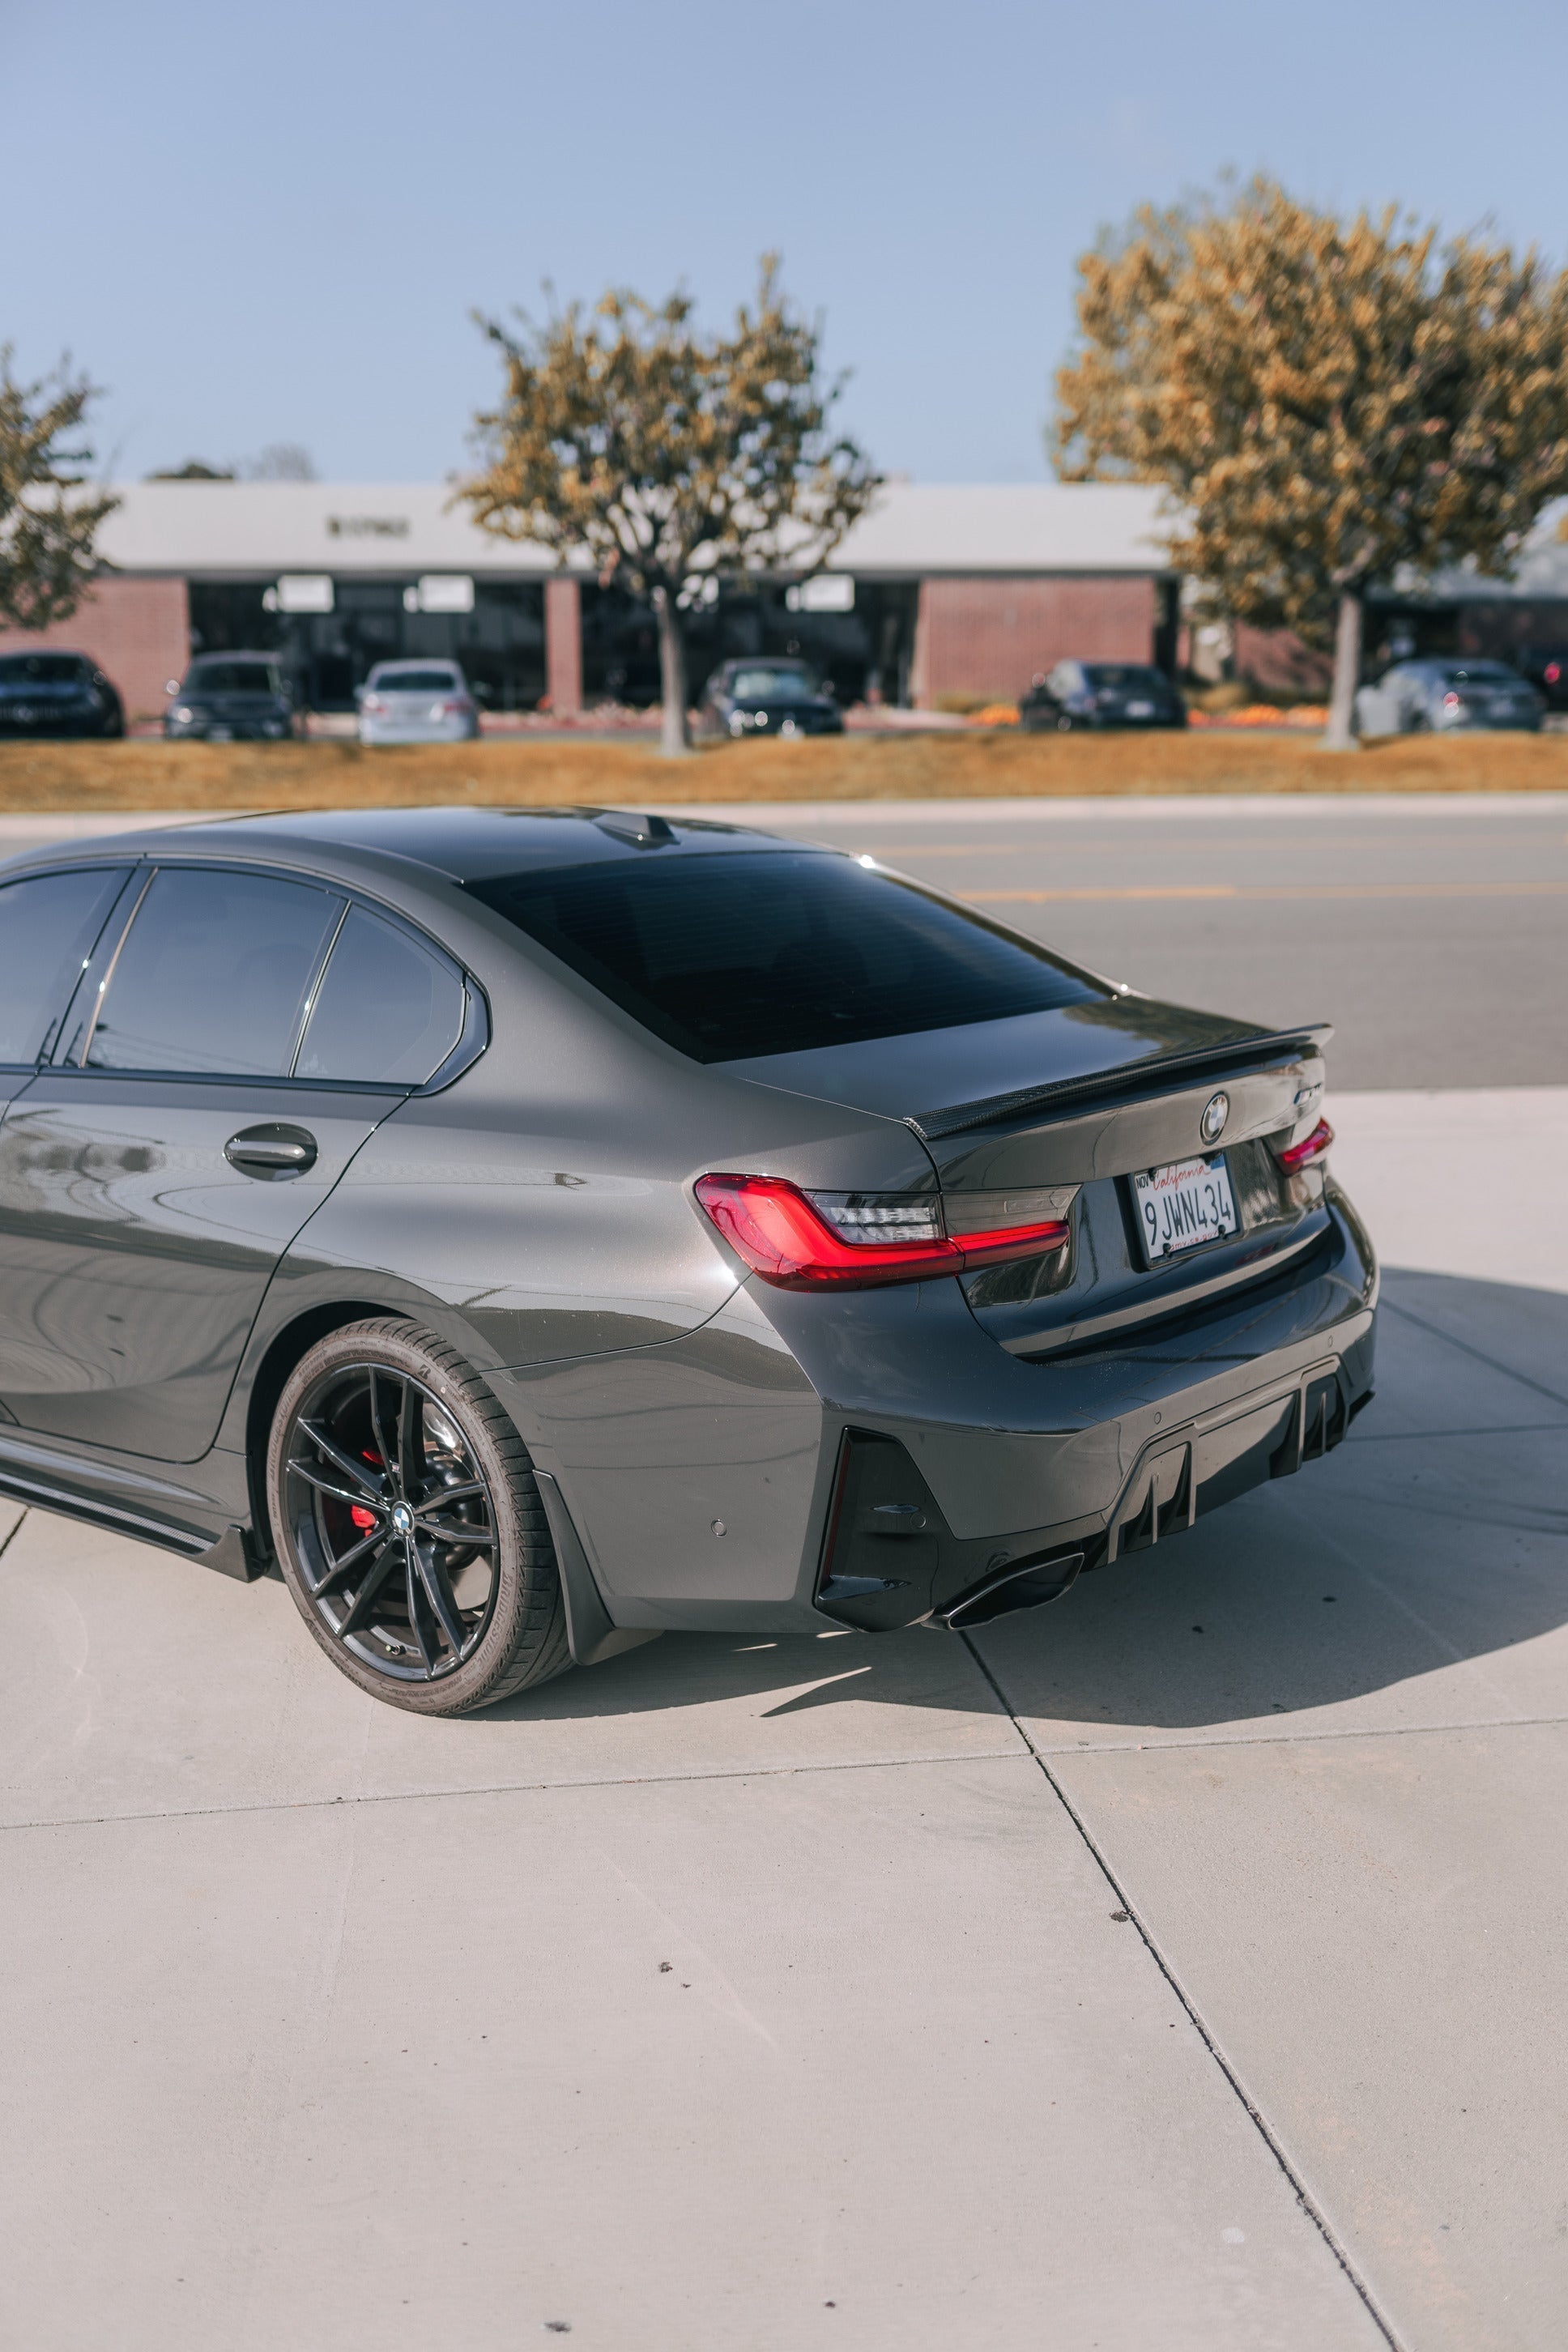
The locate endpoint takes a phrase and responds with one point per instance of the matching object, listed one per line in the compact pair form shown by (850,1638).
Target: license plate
(1140,711)
(1183,1205)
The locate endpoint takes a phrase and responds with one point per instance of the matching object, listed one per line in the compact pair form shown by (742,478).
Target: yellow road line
(1280,890)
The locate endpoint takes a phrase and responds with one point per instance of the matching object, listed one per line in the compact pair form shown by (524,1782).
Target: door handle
(271,1152)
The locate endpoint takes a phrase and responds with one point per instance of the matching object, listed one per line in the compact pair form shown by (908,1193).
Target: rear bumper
(1134,1444)
(443,730)
(876,1457)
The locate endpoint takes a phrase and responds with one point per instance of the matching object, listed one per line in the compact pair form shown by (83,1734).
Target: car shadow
(1437,1533)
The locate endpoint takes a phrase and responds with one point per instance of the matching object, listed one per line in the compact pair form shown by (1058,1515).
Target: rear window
(42,669)
(232,677)
(1131,674)
(725,956)
(413,681)
(772,686)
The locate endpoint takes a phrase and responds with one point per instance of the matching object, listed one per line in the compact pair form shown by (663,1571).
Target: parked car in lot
(416,702)
(1444,695)
(766,695)
(534,1229)
(230,699)
(1546,668)
(1101,694)
(57,694)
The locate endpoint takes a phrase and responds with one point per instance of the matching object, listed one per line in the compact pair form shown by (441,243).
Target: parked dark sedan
(1101,694)
(532,1229)
(230,699)
(758,696)
(57,694)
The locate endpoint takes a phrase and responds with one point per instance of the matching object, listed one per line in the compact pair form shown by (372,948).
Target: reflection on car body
(537,1229)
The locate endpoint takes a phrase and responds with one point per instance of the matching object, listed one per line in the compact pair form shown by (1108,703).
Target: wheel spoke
(366,1480)
(375,1420)
(411,1441)
(443,1600)
(443,1496)
(339,1567)
(359,1607)
(325,1486)
(454,1531)
(418,1607)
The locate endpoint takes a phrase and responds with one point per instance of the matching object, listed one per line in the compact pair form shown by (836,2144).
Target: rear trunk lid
(1059,1112)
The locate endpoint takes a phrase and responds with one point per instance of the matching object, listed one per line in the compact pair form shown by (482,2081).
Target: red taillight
(1302,1155)
(1553,672)
(785,1238)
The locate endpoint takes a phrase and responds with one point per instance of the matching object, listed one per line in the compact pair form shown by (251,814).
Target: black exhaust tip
(1026,1584)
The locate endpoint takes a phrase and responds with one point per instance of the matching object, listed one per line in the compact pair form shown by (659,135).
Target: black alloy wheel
(409,1525)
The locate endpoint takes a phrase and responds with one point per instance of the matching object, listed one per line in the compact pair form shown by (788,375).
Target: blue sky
(259,226)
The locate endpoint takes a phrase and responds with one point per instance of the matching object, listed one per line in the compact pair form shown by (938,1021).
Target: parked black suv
(763,696)
(230,698)
(57,694)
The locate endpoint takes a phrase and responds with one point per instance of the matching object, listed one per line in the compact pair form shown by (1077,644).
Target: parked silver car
(416,702)
(1442,694)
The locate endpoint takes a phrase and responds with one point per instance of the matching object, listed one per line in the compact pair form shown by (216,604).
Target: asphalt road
(1181,1966)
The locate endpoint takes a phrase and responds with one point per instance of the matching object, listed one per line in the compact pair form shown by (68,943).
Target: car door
(153,1174)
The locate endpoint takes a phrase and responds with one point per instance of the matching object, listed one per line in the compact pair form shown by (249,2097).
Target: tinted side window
(214,975)
(387,1008)
(48,926)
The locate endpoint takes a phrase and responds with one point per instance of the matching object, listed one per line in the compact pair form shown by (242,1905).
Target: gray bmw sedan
(528,1230)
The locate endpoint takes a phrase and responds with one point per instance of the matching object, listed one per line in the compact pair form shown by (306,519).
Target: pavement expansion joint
(1040,1748)
(1015,1755)
(1254,2114)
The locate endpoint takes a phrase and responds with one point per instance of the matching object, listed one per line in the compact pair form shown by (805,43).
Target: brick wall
(137,631)
(563,645)
(991,637)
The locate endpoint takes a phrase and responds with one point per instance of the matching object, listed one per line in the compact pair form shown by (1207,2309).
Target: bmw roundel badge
(1216,1110)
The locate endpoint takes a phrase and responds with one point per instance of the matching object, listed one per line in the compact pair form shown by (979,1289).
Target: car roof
(461,844)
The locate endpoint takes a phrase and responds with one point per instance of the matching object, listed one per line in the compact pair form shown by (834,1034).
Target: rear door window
(214,975)
(389,1010)
(49,924)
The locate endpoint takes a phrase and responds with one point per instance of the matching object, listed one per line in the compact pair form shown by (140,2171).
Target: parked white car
(416,702)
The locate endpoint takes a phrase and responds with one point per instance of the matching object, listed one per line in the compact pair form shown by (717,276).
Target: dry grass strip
(223,776)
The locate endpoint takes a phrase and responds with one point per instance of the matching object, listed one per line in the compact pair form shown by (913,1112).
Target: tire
(439,1627)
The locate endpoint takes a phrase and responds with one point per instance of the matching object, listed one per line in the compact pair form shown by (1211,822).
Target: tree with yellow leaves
(1325,403)
(669,456)
(49,515)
